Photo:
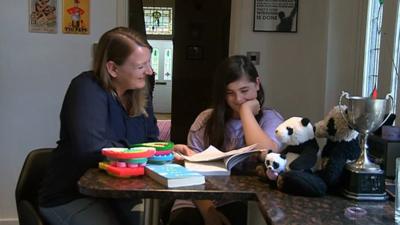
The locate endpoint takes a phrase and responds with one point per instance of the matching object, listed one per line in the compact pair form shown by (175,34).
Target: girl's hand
(252,105)
(184,150)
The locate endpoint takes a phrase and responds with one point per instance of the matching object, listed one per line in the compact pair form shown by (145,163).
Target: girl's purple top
(234,129)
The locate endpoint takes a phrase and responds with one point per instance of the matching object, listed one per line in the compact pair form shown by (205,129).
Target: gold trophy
(365,180)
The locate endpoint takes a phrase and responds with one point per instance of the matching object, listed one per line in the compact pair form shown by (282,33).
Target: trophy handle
(344,94)
(388,96)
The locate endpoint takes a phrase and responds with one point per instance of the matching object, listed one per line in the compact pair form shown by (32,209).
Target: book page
(212,153)
(213,168)
(231,161)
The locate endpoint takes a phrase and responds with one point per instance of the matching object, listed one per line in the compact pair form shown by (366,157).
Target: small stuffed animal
(301,150)
(275,162)
(334,127)
(341,146)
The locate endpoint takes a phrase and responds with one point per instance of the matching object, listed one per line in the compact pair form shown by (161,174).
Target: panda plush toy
(301,150)
(275,162)
(341,146)
(297,135)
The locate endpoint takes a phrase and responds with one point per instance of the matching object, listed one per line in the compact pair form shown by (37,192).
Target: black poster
(275,15)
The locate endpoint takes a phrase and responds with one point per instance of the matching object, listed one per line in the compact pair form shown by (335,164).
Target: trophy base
(364,184)
(365,197)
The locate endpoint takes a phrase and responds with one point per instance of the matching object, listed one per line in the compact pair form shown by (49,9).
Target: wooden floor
(163,116)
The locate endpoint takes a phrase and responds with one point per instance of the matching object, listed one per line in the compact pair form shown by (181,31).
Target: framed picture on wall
(75,16)
(275,15)
(43,16)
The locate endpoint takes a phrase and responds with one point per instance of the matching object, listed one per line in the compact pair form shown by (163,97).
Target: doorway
(158,23)
(162,61)
(200,40)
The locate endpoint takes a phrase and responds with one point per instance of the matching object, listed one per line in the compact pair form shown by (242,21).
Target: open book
(215,162)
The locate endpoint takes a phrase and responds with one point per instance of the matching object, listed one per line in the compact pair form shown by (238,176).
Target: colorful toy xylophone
(126,162)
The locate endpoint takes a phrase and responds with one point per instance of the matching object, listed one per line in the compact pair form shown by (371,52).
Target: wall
(304,72)
(292,65)
(35,70)
(345,49)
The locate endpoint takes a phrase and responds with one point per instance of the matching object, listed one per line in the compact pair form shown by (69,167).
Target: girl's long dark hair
(230,70)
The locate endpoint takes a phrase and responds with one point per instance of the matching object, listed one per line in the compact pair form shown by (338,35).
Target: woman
(106,107)
(236,119)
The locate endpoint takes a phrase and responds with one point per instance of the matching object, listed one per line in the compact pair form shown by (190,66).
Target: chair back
(164,126)
(30,178)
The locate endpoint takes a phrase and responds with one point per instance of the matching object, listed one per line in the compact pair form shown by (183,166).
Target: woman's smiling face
(133,72)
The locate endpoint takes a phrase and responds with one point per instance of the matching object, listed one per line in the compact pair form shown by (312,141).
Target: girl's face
(241,91)
(132,74)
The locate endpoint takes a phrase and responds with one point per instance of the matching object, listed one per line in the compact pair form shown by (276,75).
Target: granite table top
(276,207)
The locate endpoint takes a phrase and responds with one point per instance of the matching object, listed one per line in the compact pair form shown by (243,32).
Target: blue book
(173,175)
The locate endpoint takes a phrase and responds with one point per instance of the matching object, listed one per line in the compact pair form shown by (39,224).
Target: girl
(236,119)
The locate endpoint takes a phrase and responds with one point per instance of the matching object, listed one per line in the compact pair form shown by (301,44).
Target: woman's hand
(214,217)
(183,150)
(251,105)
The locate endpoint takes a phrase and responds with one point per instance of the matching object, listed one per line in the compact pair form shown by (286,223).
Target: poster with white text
(275,15)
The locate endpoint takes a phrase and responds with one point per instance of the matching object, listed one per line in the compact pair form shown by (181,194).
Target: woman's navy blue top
(91,119)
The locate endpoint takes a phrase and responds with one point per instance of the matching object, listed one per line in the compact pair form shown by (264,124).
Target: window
(168,64)
(162,59)
(158,20)
(396,58)
(372,47)
(373,53)
(155,62)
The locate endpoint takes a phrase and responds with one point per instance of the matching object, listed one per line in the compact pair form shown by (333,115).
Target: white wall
(304,72)
(35,70)
(345,49)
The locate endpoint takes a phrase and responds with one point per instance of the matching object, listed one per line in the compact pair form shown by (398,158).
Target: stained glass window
(158,20)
